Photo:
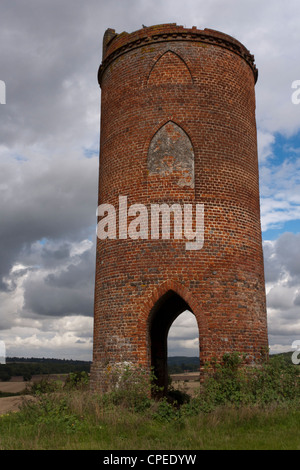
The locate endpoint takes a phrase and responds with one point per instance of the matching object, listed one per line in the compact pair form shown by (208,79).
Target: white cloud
(183,338)
(265,140)
(64,344)
(282,271)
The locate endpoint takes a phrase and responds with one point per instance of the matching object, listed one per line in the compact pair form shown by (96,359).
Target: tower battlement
(115,44)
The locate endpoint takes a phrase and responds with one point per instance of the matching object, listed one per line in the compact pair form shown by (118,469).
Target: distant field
(12,386)
(11,403)
(16,385)
(188,382)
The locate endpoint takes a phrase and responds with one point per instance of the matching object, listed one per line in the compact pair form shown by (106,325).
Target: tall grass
(236,408)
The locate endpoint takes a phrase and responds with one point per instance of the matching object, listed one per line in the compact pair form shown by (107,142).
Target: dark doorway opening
(162,315)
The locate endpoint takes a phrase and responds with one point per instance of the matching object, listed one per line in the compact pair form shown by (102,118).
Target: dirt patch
(13,387)
(18,385)
(187,376)
(11,404)
(187,382)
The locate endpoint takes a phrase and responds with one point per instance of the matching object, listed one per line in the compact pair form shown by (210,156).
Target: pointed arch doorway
(162,315)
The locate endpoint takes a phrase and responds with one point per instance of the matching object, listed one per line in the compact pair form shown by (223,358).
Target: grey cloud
(42,299)
(60,253)
(49,64)
(288,252)
(283,257)
(49,59)
(282,273)
(280,298)
(272,266)
(45,44)
(56,202)
(76,275)
(68,291)
(297,301)
(48,254)
(284,327)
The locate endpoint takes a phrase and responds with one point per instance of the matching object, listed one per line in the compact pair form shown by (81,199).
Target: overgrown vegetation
(235,408)
(274,382)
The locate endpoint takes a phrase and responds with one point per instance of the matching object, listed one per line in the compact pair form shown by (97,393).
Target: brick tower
(178,127)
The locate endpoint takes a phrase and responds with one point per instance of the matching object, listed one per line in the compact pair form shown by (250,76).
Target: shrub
(53,411)
(77,380)
(177,397)
(131,387)
(276,381)
(165,411)
(232,383)
(44,385)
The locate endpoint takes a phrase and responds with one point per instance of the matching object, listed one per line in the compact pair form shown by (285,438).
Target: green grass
(117,428)
(237,409)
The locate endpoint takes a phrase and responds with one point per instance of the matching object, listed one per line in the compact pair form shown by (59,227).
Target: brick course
(203,82)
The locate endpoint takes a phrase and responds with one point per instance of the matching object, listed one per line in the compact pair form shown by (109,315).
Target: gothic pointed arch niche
(167,308)
(171,156)
(170,68)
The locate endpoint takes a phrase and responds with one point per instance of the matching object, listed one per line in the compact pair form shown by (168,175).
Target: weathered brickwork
(178,126)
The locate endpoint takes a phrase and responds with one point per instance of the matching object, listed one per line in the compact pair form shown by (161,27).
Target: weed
(236,408)
(45,385)
(78,380)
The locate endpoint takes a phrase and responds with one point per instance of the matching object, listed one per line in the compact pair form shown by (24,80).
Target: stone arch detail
(165,303)
(162,289)
(171,155)
(158,292)
(170,68)
(160,319)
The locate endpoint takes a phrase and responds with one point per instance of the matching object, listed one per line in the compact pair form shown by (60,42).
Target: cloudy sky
(49,127)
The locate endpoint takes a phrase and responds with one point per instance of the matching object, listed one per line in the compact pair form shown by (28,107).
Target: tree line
(27,367)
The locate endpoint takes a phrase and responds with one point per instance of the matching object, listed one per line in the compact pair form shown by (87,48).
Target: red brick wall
(203,81)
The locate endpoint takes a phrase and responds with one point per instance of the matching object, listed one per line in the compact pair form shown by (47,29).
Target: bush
(177,397)
(276,381)
(77,380)
(44,385)
(53,411)
(131,386)
(165,411)
(233,384)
